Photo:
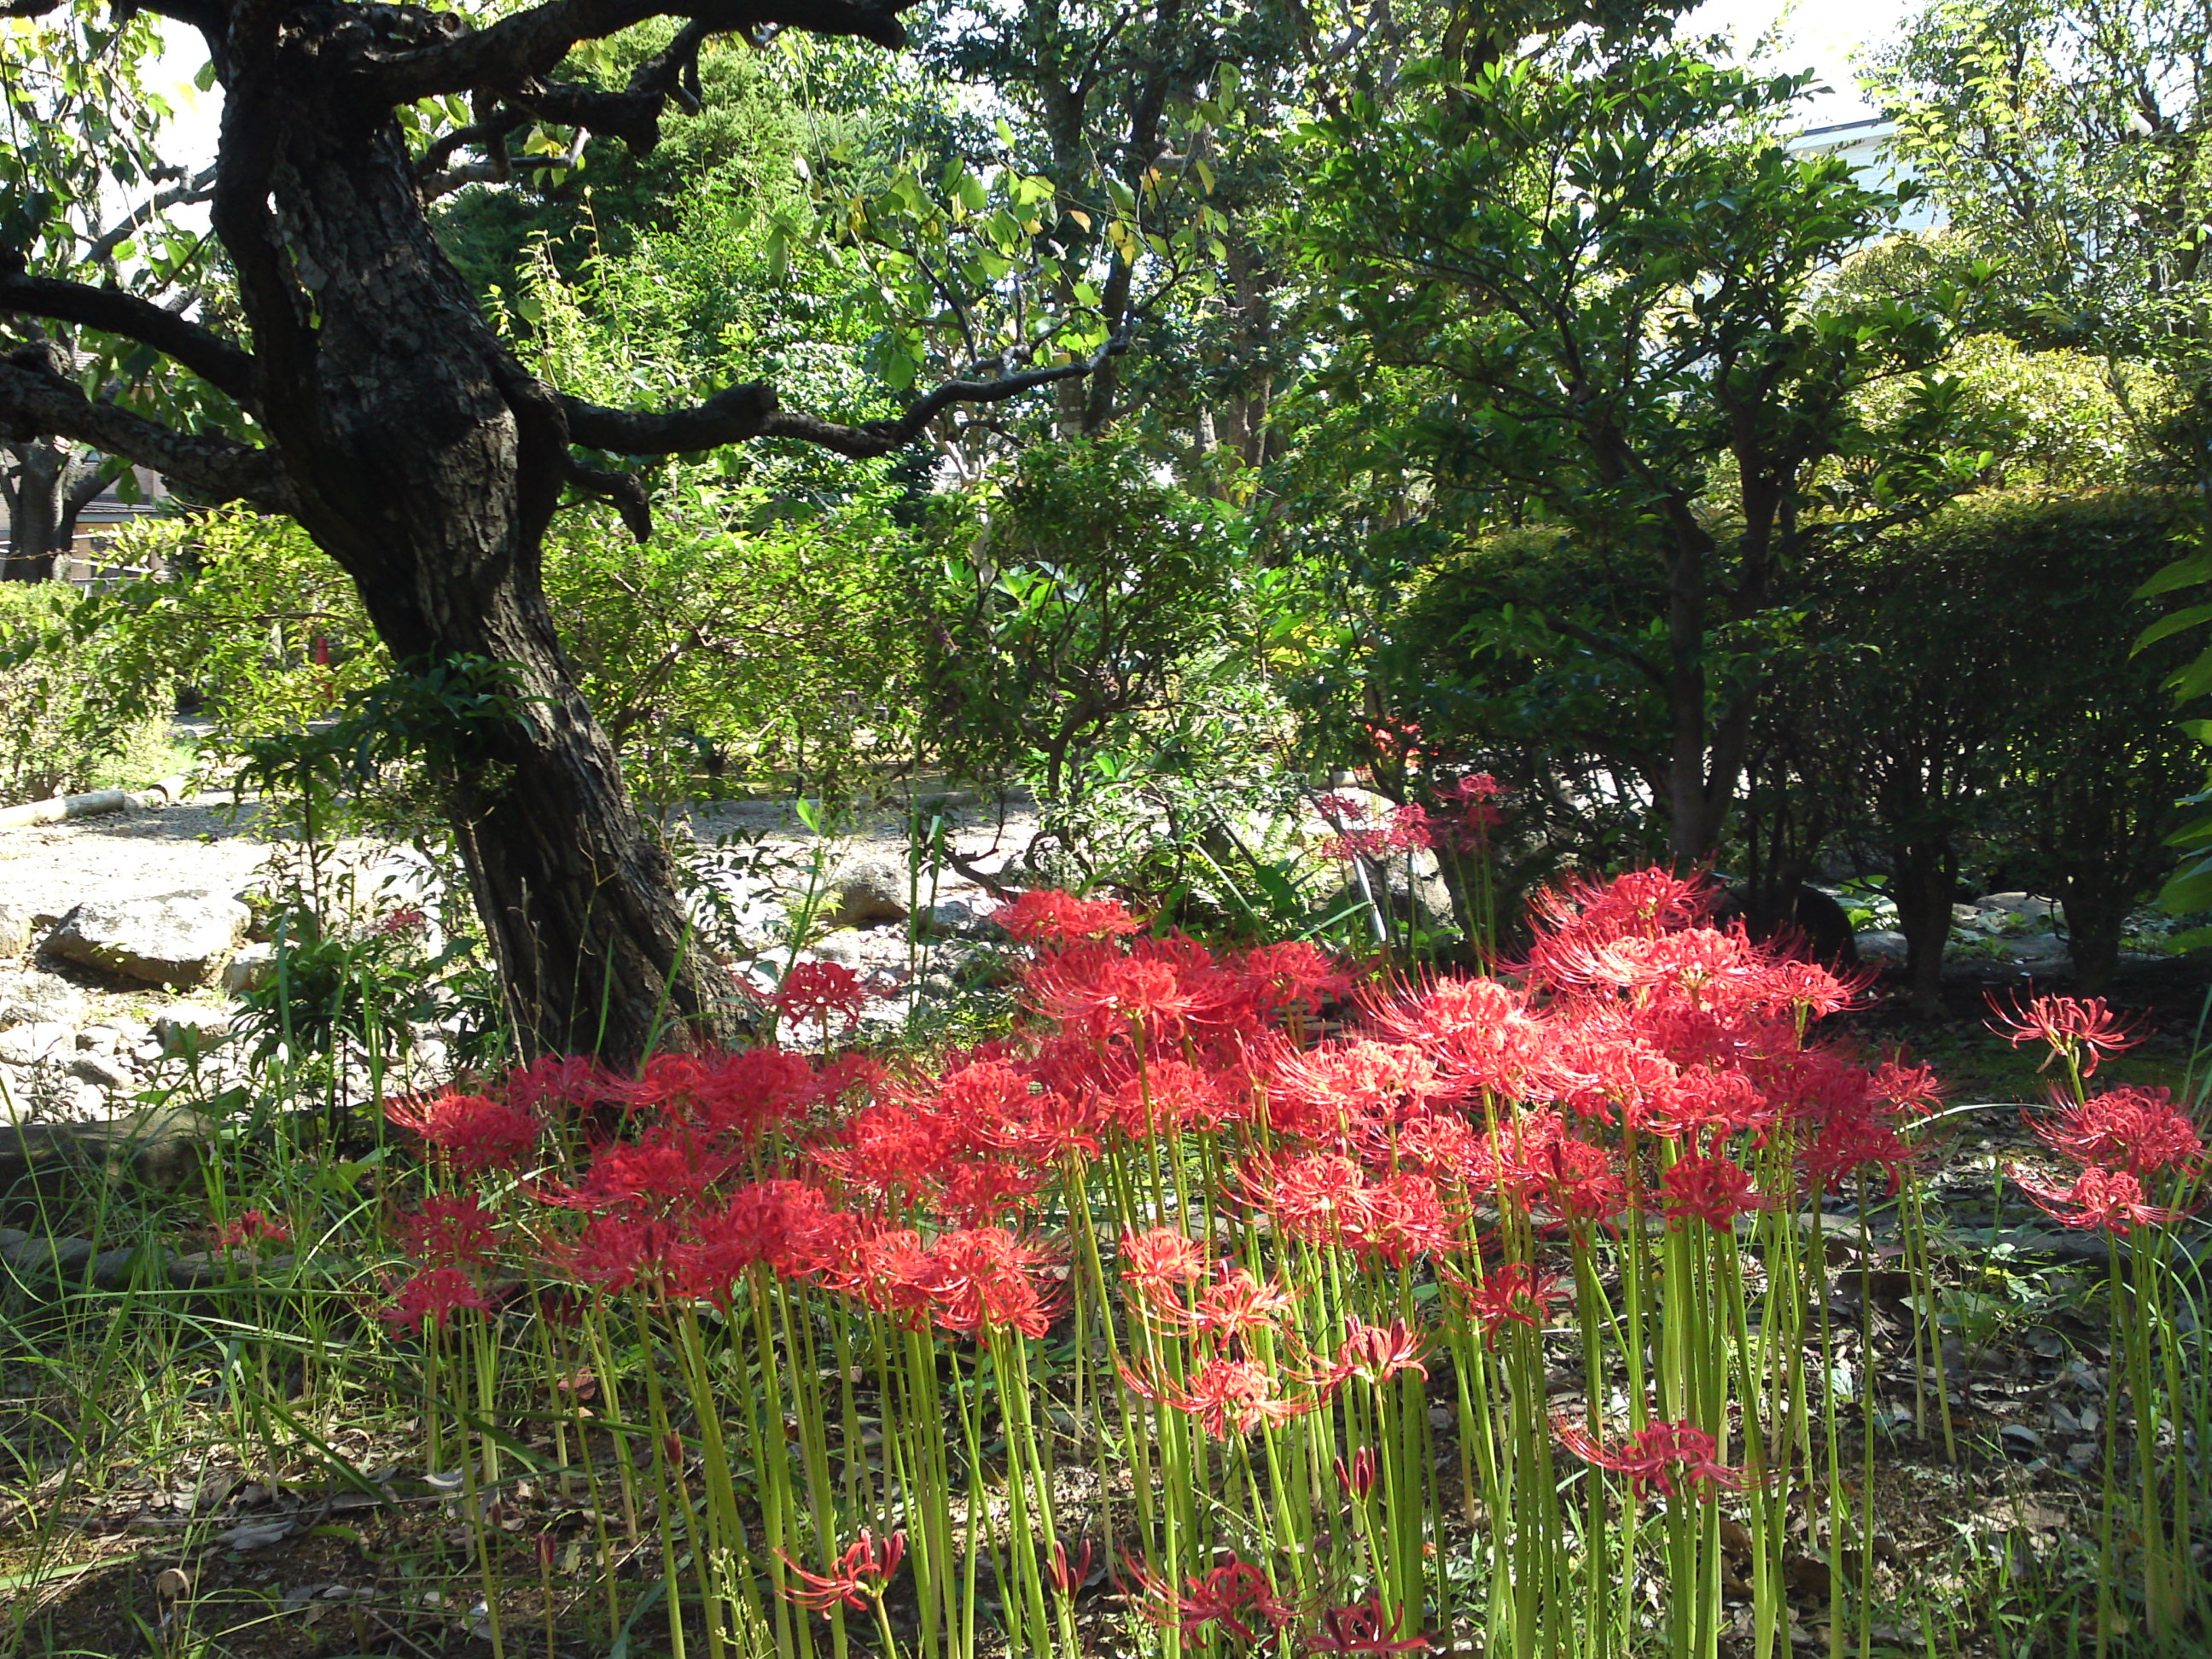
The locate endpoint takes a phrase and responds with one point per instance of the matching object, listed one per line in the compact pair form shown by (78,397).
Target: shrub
(56,735)
(1980,694)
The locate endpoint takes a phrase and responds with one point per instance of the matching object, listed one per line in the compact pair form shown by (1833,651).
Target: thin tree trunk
(1924,885)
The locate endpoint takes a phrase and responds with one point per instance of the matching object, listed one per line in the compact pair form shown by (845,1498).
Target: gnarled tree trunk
(423,457)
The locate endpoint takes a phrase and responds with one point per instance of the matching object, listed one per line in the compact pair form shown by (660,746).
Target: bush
(57,734)
(1987,698)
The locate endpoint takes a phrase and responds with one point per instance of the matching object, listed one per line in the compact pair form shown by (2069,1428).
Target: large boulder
(177,940)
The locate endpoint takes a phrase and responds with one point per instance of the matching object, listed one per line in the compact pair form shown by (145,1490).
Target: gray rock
(957,918)
(2021,904)
(178,939)
(847,947)
(39,1040)
(27,996)
(102,1071)
(37,1257)
(253,967)
(869,887)
(15,930)
(2038,949)
(1882,942)
(197,1026)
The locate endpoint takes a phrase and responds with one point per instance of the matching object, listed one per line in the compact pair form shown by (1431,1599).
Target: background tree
(83,193)
(1594,268)
(390,418)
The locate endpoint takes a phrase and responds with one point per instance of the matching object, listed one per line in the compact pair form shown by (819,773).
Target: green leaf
(2181,621)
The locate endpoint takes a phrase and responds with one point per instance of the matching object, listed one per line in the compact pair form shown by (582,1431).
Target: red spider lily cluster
(1461,822)
(1163,1152)
(2125,1143)
(250,1227)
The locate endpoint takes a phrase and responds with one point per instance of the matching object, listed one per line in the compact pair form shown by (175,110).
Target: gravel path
(49,868)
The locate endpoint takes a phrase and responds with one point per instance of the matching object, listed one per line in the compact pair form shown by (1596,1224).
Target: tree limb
(36,400)
(531,43)
(731,416)
(197,189)
(227,367)
(872,438)
(750,411)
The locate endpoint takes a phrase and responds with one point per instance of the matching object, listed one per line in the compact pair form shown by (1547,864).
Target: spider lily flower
(857,1580)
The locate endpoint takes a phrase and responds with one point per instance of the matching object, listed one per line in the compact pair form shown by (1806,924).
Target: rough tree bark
(47,490)
(423,457)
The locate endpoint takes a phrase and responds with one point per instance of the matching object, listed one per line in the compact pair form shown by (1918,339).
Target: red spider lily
(2139,1130)
(1658,1454)
(450,1232)
(748,1091)
(402,924)
(430,1298)
(986,1191)
(1044,916)
(1374,1354)
(1316,1094)
(1713,1190)
(1068,1578)
(668,1083)
(1576,919)
(1357,1477)
(859,1579)
(667,1171)
(1707,1104)
(816,990)
(1512,1292)
(1236,1596)
(1855,1132)
(2112,1201)
(1326,1198)
(1578,1181)
(1293,974)
(1470,813)
(576,1081)
(1118,994)
(614,1252)
(251,1227)
(1158,1259)
(1223,1391)
(1361,1628)
(2080,1029)
(1912,1089)
(471,1132)
(783,1224)
(1228,1311)
(985,1277)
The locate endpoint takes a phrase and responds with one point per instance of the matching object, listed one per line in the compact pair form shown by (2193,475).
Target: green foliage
(1587,278)
(1063,609)
(245,613)
(1974,687)
(56,735)
(751,635)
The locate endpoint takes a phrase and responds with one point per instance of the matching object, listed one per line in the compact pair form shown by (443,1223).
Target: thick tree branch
(872,438)
(730,416)
(223,366)
(750,411)
(531,43)
(36,401)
